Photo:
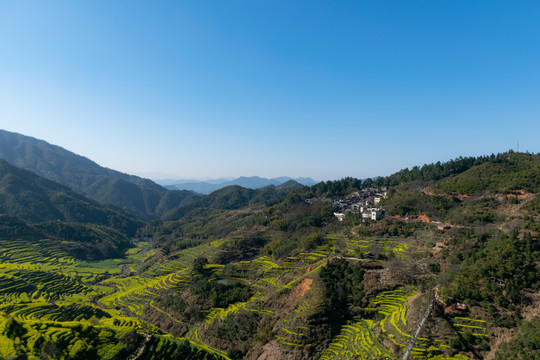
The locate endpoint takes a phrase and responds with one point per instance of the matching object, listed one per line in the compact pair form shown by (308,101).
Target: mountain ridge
(251,182)
(35,199)
(282,261)
(138,195)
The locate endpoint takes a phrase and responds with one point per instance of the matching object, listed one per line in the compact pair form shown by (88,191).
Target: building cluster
(364,202)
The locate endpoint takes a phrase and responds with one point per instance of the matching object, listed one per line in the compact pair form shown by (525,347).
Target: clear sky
(326,89)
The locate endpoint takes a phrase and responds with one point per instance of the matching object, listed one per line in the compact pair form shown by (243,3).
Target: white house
(340,216)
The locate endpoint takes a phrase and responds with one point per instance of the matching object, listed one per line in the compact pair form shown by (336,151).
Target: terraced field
(33,252)
(367,339)
(477,328)
(47,297)
(399,248)
(357,339)
(52,298)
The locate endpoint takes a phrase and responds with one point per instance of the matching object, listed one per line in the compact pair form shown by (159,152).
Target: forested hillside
(141,196)
(272,273)
(35,199)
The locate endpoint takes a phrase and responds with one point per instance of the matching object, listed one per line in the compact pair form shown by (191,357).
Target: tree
(131,340)
(199,265)
(49,350)
(367,183)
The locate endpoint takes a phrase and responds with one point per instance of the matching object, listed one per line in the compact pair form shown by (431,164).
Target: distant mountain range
(208,186)
(141,197)
(234,197)
(55,210)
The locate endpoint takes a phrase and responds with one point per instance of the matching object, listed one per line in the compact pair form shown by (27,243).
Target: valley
(269,180)
(52,296)
(273,274)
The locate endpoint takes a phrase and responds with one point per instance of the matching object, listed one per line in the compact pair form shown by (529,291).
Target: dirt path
(141,348)
(418,330)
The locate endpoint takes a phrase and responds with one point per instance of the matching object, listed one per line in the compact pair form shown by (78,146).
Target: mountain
(289,184)
(505,173)
(272,273)
(35,199)
(199,187)
(252,182)
(82,241)
(471,226)
(138,195)
(466,191)
(307,181)
(234,197)
(502,173)
(170,182)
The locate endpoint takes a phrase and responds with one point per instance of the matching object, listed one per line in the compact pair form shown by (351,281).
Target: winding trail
(419,328)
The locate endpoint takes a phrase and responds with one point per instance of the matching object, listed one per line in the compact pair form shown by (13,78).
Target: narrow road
(141,347)
(418,330)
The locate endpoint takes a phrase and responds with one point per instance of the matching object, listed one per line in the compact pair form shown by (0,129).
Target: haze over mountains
(49,192)
(251,182)
(141,197)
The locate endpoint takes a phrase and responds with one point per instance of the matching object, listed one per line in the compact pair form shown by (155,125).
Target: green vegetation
(336,189)
(140,196)
(438,171)
(525,344)
(506,173)
(504,258)
(36,199)
(219,295)
(271,272)
(82,241)
(341,282)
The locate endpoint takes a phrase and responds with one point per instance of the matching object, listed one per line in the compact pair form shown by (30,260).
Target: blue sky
(327,89)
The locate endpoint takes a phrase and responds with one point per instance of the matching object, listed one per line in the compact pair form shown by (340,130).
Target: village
(362,202)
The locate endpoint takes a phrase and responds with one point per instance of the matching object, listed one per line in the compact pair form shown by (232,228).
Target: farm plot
(168,346)
(292,270)
(473,326)
(134,292)
(35,252)
(48,294)
(357,339)
(53,312)
(131,293)
(292,335)
(51,285)
(72,339)
(397,246)
(392,304)
(183,259)
(251,305)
